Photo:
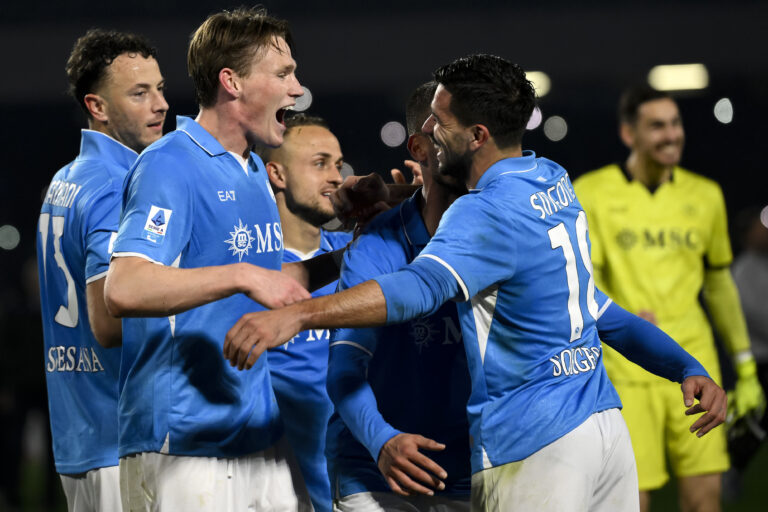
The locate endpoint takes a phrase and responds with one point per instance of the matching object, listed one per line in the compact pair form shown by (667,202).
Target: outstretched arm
(645,344)
(138,287)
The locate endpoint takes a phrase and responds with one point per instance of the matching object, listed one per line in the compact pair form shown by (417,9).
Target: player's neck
(485,157)
(298,234)
(218,122)
(648,172)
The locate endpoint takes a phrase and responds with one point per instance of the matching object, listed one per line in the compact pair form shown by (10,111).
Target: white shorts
(95,491)
(590,469)
(261,481)
(391,502)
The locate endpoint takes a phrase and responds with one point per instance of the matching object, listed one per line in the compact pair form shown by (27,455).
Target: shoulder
(604,176)
(337,239)
(694,180)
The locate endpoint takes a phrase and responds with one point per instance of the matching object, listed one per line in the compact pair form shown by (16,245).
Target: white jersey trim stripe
(486,461)
(602,309)
(91,279)
(483,307)
(464,291)
(137,255)
(352,344)
(172,318)
(196,142)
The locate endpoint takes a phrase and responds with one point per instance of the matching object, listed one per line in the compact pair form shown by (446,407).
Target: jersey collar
(517,165)
(413,225)
(101,146)
(200,136)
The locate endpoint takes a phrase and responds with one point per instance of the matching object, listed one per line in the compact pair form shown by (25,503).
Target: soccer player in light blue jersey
(115,78)
(544,422)
(304,171)
(199,244)
(381,423)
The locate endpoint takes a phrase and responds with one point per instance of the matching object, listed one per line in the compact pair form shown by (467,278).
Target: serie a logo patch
(157,222)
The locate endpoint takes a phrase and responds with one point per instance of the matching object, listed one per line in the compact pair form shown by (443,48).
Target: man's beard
(311,214)
(456,166)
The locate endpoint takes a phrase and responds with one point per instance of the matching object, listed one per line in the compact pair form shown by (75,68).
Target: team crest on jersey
(157,222)
(240,240)
(626,239)
(422,333)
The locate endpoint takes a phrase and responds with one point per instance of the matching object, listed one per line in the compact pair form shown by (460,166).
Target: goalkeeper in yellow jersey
(659,238)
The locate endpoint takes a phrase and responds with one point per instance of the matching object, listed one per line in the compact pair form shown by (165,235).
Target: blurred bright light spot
(535,119)
(346,170)
(9,237)
(541,82)
(678,77)
(303,102)
(764,216)
(724,110)
(555,128)
(393,134)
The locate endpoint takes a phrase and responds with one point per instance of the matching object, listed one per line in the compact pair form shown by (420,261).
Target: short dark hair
(93,53)
(633,97)
(490,90)
(295,121)
(418,109)
(230,39)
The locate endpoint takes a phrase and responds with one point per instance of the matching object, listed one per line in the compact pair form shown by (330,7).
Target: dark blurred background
(360,62)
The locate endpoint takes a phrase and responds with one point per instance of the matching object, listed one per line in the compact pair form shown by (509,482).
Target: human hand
(712,400)
(399,178)
(359,199)
(748,394)
(271,288)
(404,466)
(256,332)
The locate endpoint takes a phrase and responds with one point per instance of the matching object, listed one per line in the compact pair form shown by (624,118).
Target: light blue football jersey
(78,219)
(416,372)
(189,203)
(518,247)
(298,370)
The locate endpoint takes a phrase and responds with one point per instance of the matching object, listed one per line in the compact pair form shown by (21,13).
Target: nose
(295,89)
(335,178)
(428,125)
(159,105)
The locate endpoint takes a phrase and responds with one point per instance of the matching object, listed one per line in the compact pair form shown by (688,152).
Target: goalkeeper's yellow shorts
(659,428)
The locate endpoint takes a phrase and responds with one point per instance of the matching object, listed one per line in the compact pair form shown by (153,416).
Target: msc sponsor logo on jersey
(573,361)
(267,239)
(73,359)
(62,193)
(423,332)
(669,238)
(157,223)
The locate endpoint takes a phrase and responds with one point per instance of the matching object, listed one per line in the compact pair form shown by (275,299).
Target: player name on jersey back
(73,359)
(555,198)
(62,193)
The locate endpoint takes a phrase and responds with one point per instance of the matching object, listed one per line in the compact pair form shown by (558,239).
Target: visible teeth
(290,107)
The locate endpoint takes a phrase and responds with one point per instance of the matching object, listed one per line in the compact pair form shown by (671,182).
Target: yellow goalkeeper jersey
(650,251)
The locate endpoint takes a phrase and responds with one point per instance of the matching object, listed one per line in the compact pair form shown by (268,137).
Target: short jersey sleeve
(103,218)
(475,242)
(158,209)
(719,249)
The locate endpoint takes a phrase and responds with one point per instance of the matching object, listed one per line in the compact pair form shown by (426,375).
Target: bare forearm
(137,287)
(361,306)
(107,330)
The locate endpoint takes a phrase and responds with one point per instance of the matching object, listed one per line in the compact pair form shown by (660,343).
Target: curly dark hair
(93,53)
(490,90)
